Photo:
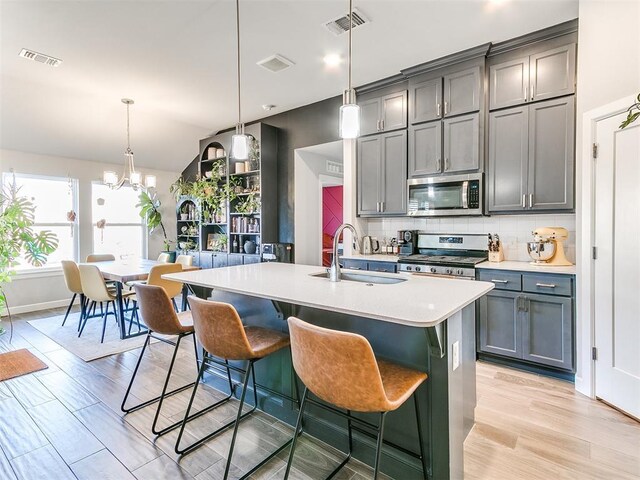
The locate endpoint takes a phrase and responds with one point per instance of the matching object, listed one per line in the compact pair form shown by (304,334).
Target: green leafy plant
(149,206)
(17,236)
(180,188)
(248,205)
(631,115)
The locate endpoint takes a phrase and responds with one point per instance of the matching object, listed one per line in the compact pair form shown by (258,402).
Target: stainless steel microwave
(450,195)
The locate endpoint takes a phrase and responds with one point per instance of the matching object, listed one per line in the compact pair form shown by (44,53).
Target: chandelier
(129,175)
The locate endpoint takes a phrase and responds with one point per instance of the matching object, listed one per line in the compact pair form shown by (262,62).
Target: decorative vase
(250,247)
(184,216)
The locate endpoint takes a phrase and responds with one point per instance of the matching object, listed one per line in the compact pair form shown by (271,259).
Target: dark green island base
(447,398)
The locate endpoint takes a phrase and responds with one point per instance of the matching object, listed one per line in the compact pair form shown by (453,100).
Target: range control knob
(433,269)
(417,269)
(449,271)
(460,272)
(409,268)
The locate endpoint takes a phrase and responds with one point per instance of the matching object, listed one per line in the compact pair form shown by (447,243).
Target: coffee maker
(407,242)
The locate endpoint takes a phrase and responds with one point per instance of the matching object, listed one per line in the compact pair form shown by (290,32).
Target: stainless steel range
(452,255)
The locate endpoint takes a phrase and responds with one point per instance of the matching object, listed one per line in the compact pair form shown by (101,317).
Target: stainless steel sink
(362,278)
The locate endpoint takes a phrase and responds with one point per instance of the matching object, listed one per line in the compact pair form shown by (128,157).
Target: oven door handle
(465,195)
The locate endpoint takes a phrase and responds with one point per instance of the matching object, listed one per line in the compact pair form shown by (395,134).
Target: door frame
(585,379)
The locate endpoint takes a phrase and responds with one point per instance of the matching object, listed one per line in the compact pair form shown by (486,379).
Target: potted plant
(17,236)
(248,205)
(180,188)
(631,115)
(150,210)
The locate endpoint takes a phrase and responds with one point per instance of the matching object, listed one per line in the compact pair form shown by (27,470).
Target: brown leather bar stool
(161,319)
(341,369)
(220,331)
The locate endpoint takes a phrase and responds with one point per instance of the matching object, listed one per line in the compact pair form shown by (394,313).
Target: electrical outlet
(455,354)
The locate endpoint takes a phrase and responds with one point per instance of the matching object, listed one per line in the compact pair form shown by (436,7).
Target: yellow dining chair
(164,258)
(74,285)
(185,260)
(100,257)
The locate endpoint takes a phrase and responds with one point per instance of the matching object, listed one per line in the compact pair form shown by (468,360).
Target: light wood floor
(65,422)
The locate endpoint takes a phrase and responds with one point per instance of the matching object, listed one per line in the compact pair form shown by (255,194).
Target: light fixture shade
(349,121)
(239,147)
(136,178)
(150,181)
(109,178)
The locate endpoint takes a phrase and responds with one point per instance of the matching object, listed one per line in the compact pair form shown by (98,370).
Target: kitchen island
(425,323)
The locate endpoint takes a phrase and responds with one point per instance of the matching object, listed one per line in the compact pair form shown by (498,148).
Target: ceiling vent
(275,63)
(40,57)
(340,25)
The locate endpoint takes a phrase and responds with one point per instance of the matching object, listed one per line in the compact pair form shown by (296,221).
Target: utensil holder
(496,257)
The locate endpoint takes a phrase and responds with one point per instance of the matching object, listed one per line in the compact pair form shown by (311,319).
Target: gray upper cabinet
(500,324)
(508,83)
(425,100)
(393,196)
(369,161)
(539,76)
(551,154)
(531,157)
(383,114)
(382,174)
(462,92)
(552,73)
(508,159)
(461,149)
(425,149)
(369,116)
(547,331)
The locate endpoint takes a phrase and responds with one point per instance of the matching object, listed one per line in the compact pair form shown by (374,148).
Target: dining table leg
(121,319)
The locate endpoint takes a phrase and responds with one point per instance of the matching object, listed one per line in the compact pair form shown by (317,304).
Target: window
(53,198)
(124,233)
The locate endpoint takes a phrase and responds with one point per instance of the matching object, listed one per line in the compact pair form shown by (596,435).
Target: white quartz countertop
(376,257)
(527,267)
(421,301)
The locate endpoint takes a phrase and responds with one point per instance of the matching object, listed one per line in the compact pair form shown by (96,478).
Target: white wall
(514,230)
(608,69)
(310,176)
(35,291)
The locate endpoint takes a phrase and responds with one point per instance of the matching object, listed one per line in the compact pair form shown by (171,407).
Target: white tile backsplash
(514,230)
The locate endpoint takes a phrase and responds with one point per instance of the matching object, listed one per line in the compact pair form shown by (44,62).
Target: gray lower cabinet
(383,114)
(531,157)
(462,92)
(234,259)
(500,324)
(220,260)
(547,330)
(516,322)
(206,260)
(461,144)
(372,266)
(382,174)
(425,149)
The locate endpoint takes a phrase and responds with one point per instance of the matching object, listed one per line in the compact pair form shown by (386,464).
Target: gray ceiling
(176,59)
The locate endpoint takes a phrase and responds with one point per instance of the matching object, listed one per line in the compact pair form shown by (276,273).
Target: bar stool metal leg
(379,445)
(423,458)
(297,432)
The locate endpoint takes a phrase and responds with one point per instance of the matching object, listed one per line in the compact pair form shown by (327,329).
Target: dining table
(121,272)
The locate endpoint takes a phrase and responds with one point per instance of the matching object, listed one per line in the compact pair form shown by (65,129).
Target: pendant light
(129,175)
(239,141)
(350,111)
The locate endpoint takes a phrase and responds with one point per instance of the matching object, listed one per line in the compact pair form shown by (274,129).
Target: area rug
(88,346)
(18,363)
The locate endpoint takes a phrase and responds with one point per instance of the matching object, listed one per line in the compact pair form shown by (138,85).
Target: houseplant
(150,210)
(17,235)
(180,188)
(631,115)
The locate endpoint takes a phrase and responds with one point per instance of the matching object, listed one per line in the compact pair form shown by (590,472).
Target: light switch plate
(455,354)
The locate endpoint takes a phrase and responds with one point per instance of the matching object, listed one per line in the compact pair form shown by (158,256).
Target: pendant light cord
(128,134)
(350,43)
(238,50)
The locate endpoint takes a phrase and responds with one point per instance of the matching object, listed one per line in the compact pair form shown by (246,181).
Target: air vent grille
(275,63)
(340,25)
(334,167)
(40,57)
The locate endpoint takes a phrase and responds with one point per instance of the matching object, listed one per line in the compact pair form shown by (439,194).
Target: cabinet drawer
(354,264)
(502,280)
(549,284)
(382,267)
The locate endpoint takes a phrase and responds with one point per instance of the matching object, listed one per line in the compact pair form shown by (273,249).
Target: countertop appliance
(277,252)
(451,255)
(447,195)
(370,245)
(547,247)
(407,242)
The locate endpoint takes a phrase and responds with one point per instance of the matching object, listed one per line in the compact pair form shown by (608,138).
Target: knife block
(496,257)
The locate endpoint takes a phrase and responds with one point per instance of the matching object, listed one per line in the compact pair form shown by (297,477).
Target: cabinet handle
(382,206)
(545,285)
(446,164)
(438,165)
(533,89)
(378,125)
(382,125)
(494,280)
(531,200)
(445,107)
(526,97)
(377,206)
(524,201)
(438,110)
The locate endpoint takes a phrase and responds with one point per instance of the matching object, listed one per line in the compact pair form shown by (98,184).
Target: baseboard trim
(34,307)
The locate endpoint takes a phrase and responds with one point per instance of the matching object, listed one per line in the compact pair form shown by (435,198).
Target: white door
(617,268)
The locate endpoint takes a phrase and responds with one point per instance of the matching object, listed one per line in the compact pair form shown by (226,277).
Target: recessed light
(332,60)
